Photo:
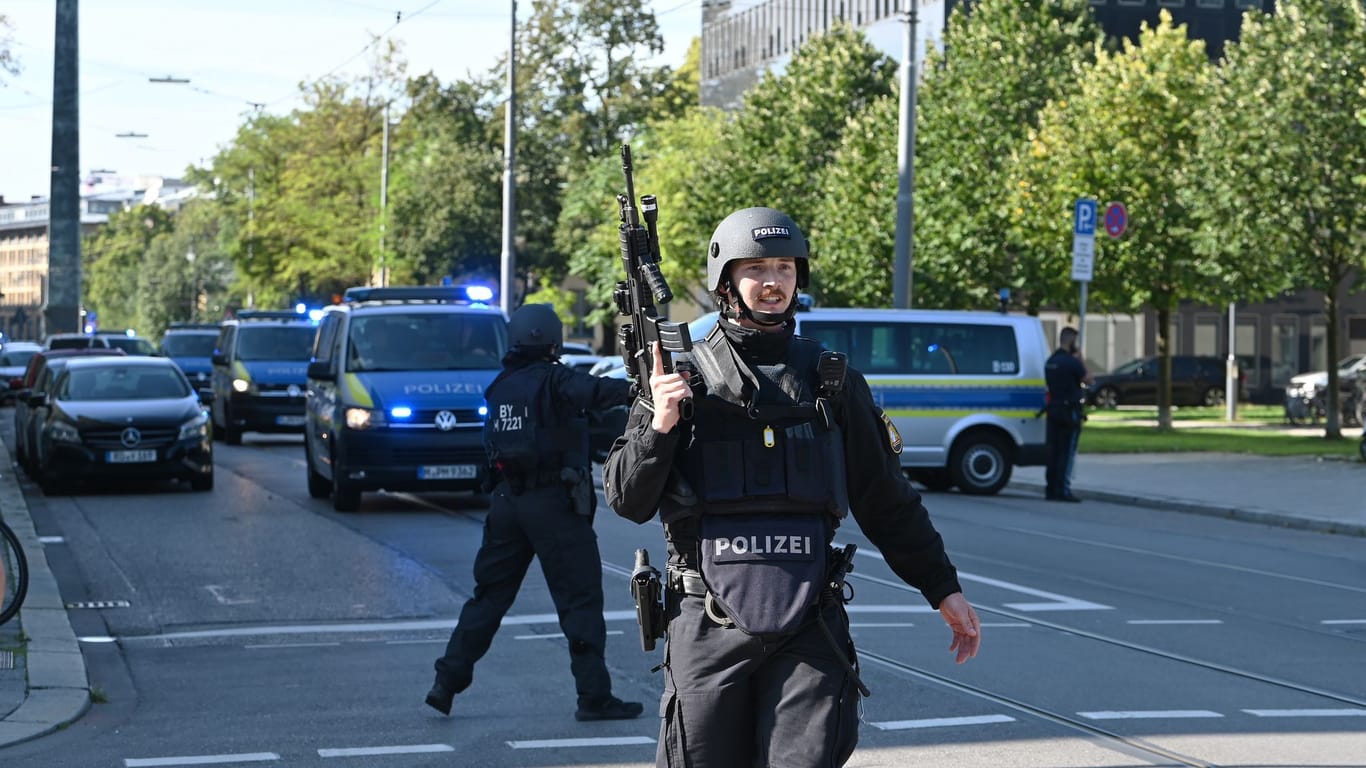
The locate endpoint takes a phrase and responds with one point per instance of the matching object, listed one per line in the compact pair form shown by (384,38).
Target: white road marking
(219,593)
(879,624)
(941,722)
(1174,621)
(604,741)
(246,757)
(1150,714)
(258,646)
(1307,712)
(557,635)
(51,540)
(1056,602)
(362,628)
(1344,621)
(96,639)
(408,749)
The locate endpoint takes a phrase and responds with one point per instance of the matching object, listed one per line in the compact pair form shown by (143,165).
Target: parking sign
(1083,238)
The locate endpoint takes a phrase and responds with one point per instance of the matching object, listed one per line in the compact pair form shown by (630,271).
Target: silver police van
(963,388)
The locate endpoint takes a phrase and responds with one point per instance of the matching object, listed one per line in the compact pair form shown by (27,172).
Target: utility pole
(61,305)
(905,193)
(383,276)
(509,182)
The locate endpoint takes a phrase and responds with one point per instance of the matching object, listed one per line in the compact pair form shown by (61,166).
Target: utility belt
(521,483)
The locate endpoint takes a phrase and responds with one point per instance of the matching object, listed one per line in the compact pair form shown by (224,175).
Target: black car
(129,417)
(1197,380)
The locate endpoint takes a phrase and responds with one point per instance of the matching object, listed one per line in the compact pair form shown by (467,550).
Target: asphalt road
(261,627)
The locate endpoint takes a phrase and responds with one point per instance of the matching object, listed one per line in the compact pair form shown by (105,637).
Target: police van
(258,373)
(396,391)
(964,389)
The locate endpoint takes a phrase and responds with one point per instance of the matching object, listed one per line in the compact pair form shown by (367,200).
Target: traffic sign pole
(1083,256)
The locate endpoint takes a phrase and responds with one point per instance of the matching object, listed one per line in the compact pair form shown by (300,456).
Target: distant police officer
(542,506)
(783,440)
(1065,374)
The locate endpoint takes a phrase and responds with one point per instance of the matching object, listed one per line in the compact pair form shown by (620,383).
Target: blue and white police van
(396,391)
(191,346)
(259,364)
(964,389)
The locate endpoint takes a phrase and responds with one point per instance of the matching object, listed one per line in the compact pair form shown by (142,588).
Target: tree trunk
(1164,369)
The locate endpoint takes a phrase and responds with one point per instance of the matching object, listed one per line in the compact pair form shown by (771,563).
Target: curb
(1264,517)
(58,691)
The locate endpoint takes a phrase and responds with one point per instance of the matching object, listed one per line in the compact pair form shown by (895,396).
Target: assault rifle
(644,287)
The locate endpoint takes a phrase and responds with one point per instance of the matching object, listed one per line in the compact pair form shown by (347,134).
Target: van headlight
(363,418)
(198,427)
(243,386)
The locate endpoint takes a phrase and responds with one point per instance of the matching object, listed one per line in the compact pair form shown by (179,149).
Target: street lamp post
(905,194)
(194,284)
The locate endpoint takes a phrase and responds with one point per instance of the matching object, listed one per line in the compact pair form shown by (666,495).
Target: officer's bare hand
(667,390)
(962,619)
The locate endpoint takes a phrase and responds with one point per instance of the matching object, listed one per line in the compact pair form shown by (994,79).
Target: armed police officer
(542,505)
(783,441)
(1066,376)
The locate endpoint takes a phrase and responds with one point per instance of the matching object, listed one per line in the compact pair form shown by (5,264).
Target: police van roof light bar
(270,314)
(443,293)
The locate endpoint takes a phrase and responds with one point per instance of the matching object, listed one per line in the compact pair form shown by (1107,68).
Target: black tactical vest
(524,434)
(758,442)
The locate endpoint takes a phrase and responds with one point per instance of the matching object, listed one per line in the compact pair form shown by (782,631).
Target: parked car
(124,417)
(37,377)
(1306,398)
(1197,380)
(130,343)
(14,357)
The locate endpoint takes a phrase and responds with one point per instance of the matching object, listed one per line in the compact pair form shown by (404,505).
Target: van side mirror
(320,369)
(218,358)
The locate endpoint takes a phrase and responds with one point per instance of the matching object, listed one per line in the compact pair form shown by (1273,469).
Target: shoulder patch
(893,436)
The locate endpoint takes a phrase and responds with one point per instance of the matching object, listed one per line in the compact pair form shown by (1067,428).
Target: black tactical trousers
(1061,440)
(540,523)
(733,700)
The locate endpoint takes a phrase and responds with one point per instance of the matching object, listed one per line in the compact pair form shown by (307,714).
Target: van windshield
(274,342)
(189,344)
(426,341)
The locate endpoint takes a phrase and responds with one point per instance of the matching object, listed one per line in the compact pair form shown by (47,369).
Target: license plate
(290,421)
(448,472)
(130,457)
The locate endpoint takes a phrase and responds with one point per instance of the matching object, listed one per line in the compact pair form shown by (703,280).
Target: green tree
(114,259)
(980,100)
(1285,155)
(1130,134)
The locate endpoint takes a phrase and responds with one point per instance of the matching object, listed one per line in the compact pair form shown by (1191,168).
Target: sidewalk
(48,688)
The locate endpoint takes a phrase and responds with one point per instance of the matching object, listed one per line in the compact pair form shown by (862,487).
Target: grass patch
(98,696)
(1247,414)
(1118,437)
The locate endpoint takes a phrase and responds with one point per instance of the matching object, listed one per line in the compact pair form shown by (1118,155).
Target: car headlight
(62,432)
(242,385)
(364,418)
(198,427)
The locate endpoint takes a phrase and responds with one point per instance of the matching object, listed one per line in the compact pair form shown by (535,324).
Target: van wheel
(979,464)
(318,486)
(1107,397)
(1214,396)
(232,434)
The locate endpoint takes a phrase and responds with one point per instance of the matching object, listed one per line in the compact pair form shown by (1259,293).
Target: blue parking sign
(1084,217)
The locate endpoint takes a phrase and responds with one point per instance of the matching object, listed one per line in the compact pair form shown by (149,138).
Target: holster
(580,488)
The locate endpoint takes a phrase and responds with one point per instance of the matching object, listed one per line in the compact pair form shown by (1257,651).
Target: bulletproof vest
(524,435)
(760,442)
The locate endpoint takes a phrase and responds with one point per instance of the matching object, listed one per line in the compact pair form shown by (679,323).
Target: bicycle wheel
(13,574)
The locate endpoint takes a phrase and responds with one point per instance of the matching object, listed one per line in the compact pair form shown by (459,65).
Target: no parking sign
(1116,219)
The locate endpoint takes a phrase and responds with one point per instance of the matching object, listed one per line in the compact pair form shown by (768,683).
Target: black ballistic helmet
(757,233)
(535,325)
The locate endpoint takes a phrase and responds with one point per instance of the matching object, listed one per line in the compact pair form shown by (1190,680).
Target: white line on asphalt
(382,626)
(96,639)
(407,749)
(1056,602)
(941,722)
(257,646)
(1174,621)
(51,540)
(414,642)
(1150,714)
(246,757)
(604,741)
(1018,624)
(879,624)
(557,635)
(1307,712)
(1344,621)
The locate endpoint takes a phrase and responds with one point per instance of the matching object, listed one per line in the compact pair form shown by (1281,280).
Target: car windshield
(69,342)
(16,358)
(1347,362)
(1132,366)
(426,341)
(122,382)
(132,345)
(189,344)
(275,342)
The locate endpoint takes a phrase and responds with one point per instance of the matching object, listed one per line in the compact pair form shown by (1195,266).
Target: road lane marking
(557,635)
(246,757)
(1150,714)
(941,722)
(604,741)
(220,593)
(259,646)
(1056,602)
(406,749)
(360,628)
(1344,621)
(51,540)
(1307,712)
(1174,621)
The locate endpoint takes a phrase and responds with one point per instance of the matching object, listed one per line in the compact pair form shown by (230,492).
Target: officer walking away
(782,442)
(542,505)
(1065,373)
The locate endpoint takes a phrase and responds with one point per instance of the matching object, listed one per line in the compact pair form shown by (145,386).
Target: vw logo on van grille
(445,421)
(130,437)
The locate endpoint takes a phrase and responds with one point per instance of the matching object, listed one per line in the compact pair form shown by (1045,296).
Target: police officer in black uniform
(1064,373)
(542,505)
(782,442)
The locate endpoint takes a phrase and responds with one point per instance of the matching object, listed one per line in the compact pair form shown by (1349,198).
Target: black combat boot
(610,708)
(440,696)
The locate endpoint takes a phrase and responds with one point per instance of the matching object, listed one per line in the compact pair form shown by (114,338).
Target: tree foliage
(1285,154)
(113,258)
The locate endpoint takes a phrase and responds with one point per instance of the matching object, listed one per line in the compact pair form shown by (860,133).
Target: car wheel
(936,480)
(48,481)
(979,463)
(1213,397)
(202,482)
(1107,397)
(318,486)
